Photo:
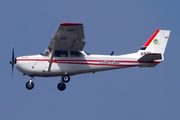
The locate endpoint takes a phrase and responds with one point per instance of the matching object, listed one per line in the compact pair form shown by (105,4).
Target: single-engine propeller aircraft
(65,56)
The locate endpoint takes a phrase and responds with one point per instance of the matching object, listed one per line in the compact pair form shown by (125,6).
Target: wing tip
(70,24)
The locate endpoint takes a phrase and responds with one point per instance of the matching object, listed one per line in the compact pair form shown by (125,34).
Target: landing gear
(65,79)
(30,85)
(61,86)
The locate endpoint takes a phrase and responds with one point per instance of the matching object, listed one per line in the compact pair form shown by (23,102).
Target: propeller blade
(13,61)
(13,54)
(12,69)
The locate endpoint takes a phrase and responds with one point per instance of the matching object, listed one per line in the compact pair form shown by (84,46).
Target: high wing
(69,36)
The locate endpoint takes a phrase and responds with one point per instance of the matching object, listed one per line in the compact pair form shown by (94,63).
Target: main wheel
(65,78)
(29,85)
(61,86)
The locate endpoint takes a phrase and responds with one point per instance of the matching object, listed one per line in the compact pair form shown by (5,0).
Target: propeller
(13,61)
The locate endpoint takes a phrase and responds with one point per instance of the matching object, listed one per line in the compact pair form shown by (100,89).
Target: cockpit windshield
(45,52)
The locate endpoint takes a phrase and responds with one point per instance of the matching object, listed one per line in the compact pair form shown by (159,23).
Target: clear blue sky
(120,26)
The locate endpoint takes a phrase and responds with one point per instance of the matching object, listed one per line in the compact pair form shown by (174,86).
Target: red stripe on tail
(151,38)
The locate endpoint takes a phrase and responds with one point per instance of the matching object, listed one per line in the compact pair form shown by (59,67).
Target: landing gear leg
(30,85)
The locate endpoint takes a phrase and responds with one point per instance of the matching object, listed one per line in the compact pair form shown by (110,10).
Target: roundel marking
(155,41)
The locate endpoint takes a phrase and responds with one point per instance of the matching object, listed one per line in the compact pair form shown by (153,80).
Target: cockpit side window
(61,53)
(75,54)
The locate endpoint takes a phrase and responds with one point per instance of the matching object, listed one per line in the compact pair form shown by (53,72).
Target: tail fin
(156,43)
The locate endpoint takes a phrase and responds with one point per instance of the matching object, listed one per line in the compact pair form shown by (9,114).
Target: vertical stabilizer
(156,43)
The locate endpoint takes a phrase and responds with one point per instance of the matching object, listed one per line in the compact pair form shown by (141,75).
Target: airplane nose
(13,61)
(18,63)
(25,66)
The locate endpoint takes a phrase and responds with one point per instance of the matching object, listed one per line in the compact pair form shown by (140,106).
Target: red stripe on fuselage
(33,59)
(118,65)
(56,60)
(87,62)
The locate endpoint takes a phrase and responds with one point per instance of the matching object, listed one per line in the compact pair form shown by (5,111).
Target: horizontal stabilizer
(150,57)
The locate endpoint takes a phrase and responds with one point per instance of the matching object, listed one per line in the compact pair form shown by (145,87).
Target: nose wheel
(30,85)
(65,78)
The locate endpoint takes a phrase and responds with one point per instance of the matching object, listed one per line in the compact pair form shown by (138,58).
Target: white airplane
(65,56)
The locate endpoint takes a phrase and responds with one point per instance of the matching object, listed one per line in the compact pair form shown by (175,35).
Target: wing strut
(52,55)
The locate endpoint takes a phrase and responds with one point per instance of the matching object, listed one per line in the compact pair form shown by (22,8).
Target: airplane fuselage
(37,65)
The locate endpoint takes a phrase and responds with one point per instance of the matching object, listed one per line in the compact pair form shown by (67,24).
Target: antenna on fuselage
(112,53)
